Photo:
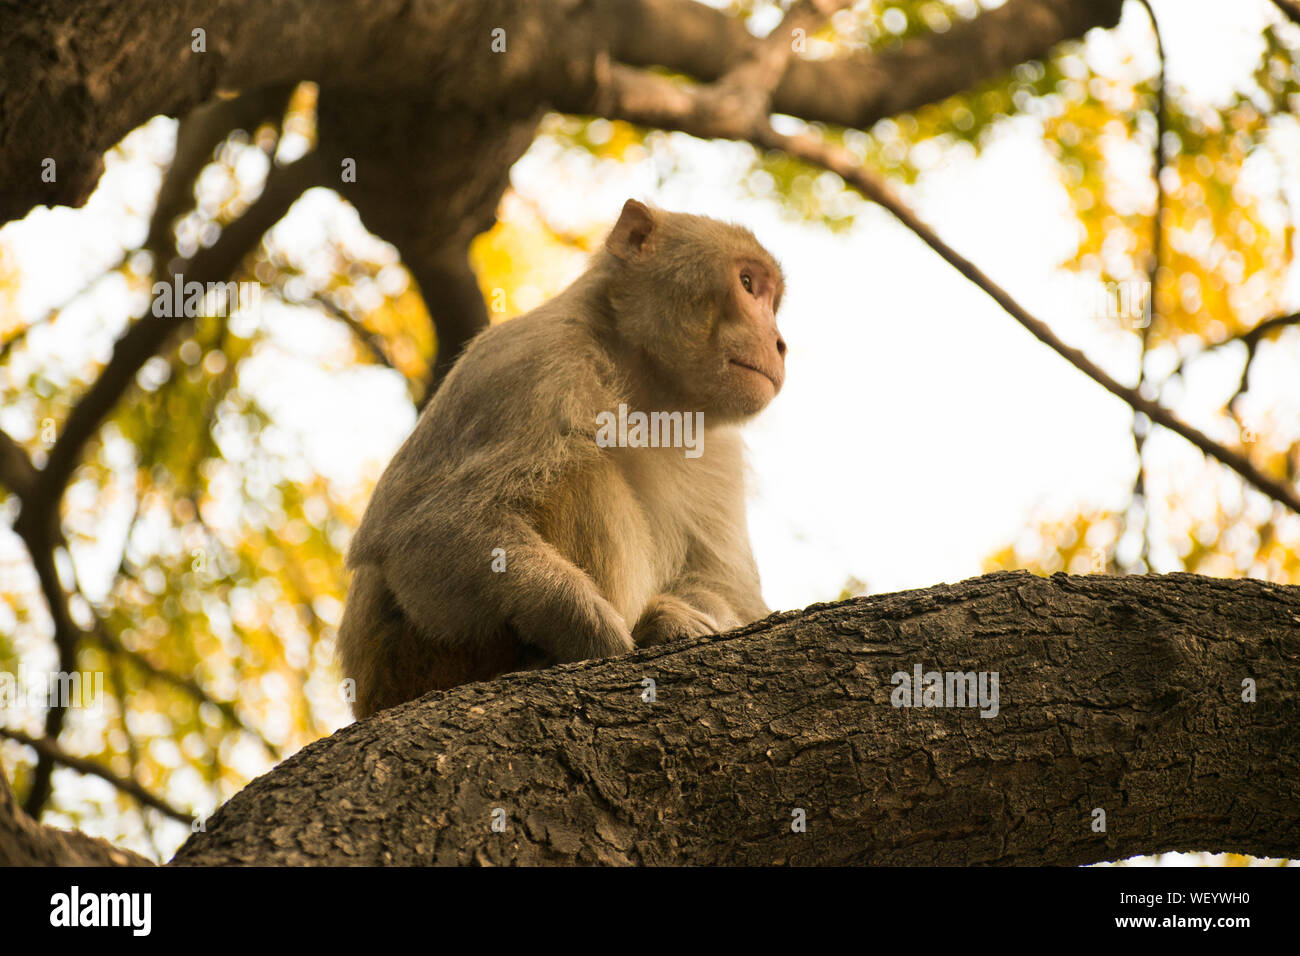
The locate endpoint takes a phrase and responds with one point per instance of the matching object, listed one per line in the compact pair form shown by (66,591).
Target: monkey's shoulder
(543,353)
(520,384)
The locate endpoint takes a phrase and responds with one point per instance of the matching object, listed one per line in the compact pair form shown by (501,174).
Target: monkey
(506,535)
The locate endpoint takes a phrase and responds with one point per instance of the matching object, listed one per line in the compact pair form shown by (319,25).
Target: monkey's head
(697,300)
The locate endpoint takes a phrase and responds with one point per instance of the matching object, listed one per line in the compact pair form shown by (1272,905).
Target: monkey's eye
(747,283)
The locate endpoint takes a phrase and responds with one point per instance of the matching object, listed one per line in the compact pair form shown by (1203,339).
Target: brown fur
(605,548)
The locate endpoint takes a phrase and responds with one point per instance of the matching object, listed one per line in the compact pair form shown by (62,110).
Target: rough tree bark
(1119,693)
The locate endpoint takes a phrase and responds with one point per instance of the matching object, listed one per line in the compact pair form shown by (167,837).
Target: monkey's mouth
(761,371)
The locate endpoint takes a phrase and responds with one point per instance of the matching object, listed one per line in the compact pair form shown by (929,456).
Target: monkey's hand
(557,608)
(669,618)
(599,631)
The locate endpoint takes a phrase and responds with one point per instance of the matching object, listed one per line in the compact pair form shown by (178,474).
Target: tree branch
(641,97)
(69,93)
(132,789)
(1141,426)
(858,89)
(1250,339)
(197,136)
(16,470)
(1123,694)
(40,535)
(37,522)
(870,86)
(373,342)
(150,333)
(114,646)
(1289,8)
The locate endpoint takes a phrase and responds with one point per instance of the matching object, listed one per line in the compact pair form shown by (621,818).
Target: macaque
(533,516)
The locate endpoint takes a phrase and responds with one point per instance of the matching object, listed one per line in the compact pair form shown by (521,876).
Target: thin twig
(1250,339)
(54,312)
(113,645)
(372,341)
(132,745)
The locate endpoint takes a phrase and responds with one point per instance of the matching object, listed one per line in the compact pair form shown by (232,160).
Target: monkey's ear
(631,235)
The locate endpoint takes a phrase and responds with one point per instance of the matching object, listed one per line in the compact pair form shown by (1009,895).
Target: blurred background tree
(181,492)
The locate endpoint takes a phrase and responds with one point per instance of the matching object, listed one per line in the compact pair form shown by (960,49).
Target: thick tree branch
(78,75)
(197,135)
(1123,694)
(391,140)
(16,470)
(687,36)
(858,89)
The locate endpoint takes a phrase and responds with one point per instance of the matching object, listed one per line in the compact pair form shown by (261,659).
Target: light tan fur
(605,548)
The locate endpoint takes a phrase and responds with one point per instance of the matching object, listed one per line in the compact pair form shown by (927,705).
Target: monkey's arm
(552,604)
(462,582)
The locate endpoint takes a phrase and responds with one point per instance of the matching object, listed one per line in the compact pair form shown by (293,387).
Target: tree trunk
(1119,694)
